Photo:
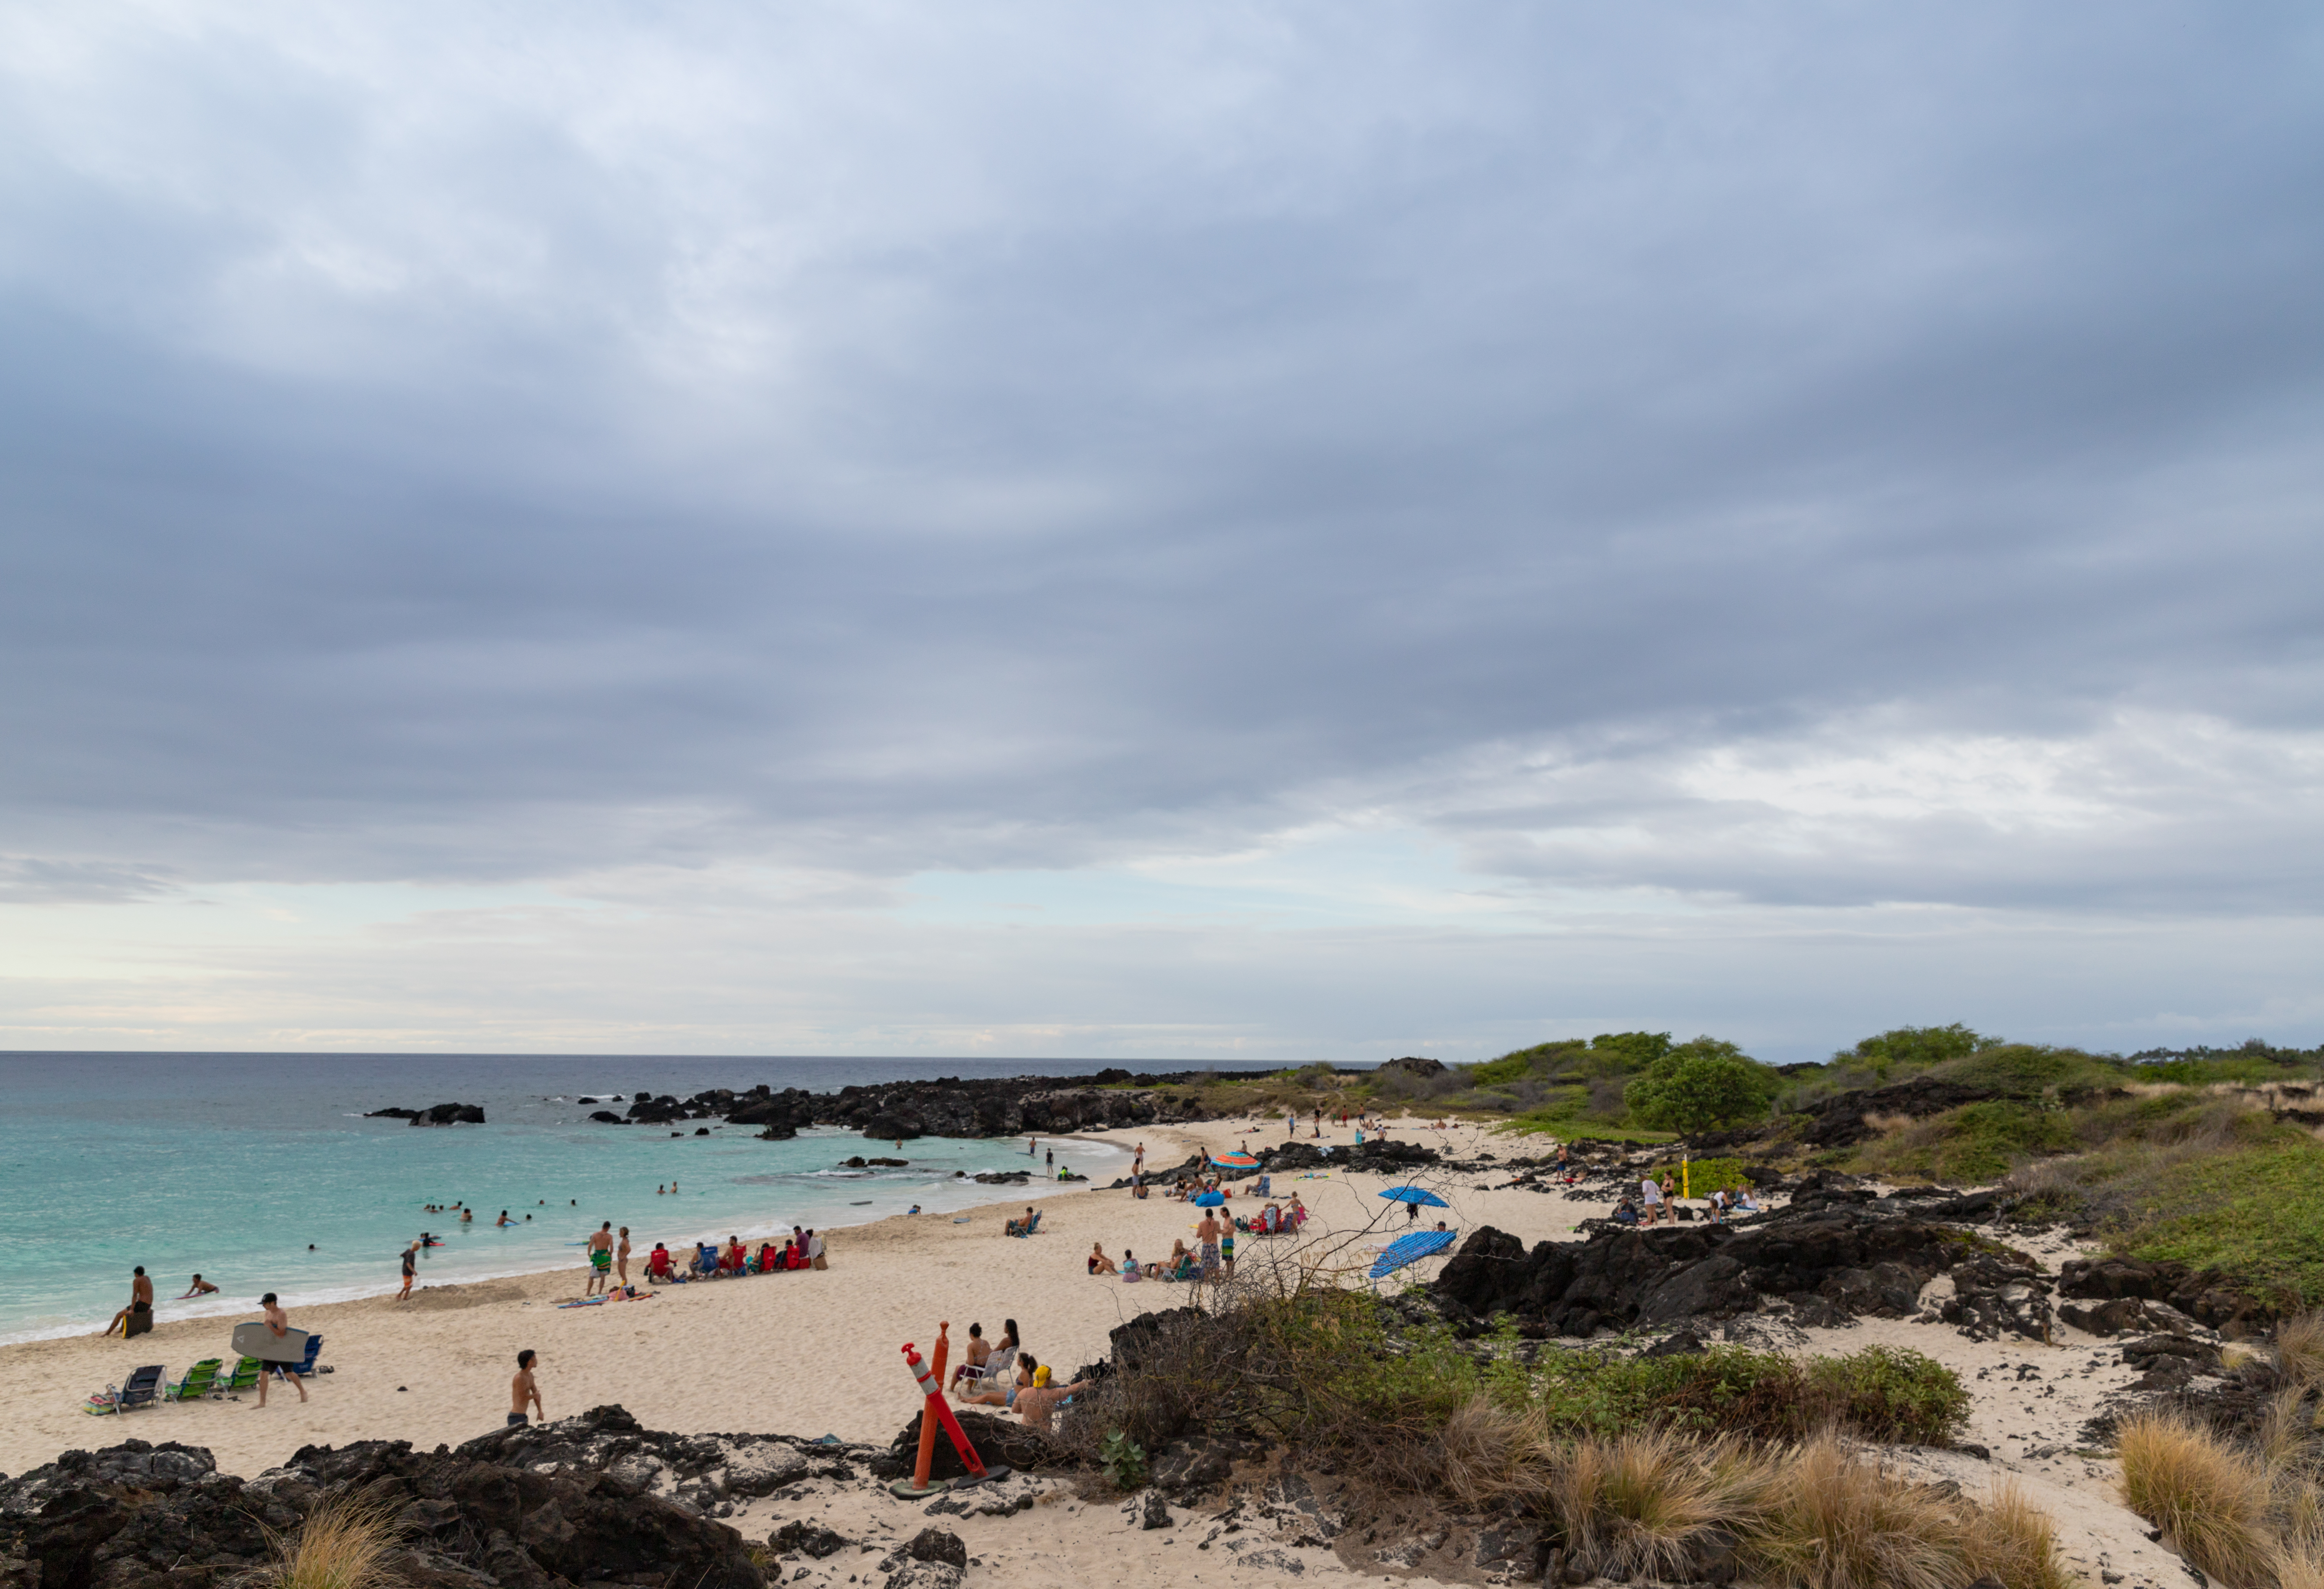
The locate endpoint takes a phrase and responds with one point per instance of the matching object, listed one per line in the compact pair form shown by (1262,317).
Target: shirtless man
(280,1326)
(1207,1233)
(410,1268)
(622,1257)
(524,1388)
(141,1301)
(600,1258)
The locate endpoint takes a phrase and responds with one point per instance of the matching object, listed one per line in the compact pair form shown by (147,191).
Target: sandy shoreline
(817,1353)
(805,1354)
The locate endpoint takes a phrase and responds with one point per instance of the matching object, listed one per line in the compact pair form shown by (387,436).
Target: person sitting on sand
(1006,1396)
(201,1288)
(733,1261)
(1038,1401)
(657,1264)
(1130,1273)
(1747,1204)
(1099,1263)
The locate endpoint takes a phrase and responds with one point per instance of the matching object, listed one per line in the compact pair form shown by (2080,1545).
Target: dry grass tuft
(1832,1522)
(344,1544)
(1485,1452)
(2211,1501)
(2012,1539)
(1631,1508)
(2300,1350)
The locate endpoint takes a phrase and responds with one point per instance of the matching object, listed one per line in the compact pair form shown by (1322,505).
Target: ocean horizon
(262,1172)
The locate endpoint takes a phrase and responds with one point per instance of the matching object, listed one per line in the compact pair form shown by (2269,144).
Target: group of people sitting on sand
(802,1249)
(1001,1374)
(1659,1200)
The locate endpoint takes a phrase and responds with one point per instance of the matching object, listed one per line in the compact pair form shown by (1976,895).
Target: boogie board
(253,1339)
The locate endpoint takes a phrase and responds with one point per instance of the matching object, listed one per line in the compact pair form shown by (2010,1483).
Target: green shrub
(1701,1086)
(2028,1071)
(1916,1048)
(1879,1393)
(1975,1143)
(2250,1213)
(1124,1460)
(1699,1178)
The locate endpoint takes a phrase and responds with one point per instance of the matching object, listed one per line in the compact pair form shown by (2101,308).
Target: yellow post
(1685,1179)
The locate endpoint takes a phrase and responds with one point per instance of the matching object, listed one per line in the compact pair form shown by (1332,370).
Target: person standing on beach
(601,1257)
(524,1388)
(280,1325)
(1031,1143)
(1050,1162)
(410,1268)
(1207,1233)
(815,1251)
(1137,1164)
(622,1257)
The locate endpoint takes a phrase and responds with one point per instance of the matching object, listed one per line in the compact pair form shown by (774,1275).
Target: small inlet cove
(271,1172)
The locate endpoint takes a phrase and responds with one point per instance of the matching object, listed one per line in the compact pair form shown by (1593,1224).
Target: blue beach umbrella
(1209,1200)
(1413,1194)
(1410,1249)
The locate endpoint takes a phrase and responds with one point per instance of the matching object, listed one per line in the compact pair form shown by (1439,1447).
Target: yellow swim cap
(1041,1374)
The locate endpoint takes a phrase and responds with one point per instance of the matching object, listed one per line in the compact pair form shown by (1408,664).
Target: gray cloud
(1041,439)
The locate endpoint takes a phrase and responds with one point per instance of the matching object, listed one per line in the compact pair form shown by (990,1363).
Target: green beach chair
(247,1371)
(201,1380)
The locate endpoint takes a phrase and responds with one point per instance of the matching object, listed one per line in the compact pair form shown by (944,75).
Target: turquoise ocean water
(260,1172)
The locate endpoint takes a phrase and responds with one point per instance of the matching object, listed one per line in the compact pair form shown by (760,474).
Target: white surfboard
(253,1339)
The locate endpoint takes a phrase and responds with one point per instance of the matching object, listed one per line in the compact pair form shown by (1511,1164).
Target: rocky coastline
(950,1106)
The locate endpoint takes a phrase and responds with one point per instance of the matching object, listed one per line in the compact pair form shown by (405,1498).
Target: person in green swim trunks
(600,1258)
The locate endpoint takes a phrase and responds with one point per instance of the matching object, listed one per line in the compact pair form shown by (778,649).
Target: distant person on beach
(1031,1143)
(280,1326)
(410,1268)
(1099,1263)
(1049,1160)
(524,1388)
(815,1251)
(622,1257)
(201,1288)
(600,1258)
(1650,1198)
(1207,1233)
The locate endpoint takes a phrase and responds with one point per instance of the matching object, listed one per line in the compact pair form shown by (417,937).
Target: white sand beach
(814,1353)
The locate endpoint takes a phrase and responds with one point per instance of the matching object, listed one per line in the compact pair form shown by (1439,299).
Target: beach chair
(1026,1226)
(997,1370)
(201,1380)
(143,1388)
(245,1374)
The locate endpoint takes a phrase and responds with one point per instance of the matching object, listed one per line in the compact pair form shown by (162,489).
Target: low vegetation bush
(344,1543)
(1975,1143)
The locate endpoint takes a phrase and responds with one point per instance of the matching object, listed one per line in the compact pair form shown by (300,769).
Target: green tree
(1701,1086)
(1916,1047)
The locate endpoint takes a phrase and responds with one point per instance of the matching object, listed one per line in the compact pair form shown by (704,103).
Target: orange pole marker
(928,1424)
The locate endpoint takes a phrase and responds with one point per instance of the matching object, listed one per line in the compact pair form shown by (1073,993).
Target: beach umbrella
(1413,1194)
(1236,1160)
(1209,1200)
(1410,1249)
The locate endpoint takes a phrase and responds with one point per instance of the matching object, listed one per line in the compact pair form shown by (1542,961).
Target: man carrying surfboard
(280,1325)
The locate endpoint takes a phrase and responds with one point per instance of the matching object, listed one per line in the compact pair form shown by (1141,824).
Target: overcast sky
(1279,530)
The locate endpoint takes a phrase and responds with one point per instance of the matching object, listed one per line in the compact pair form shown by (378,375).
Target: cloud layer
(1801,461)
